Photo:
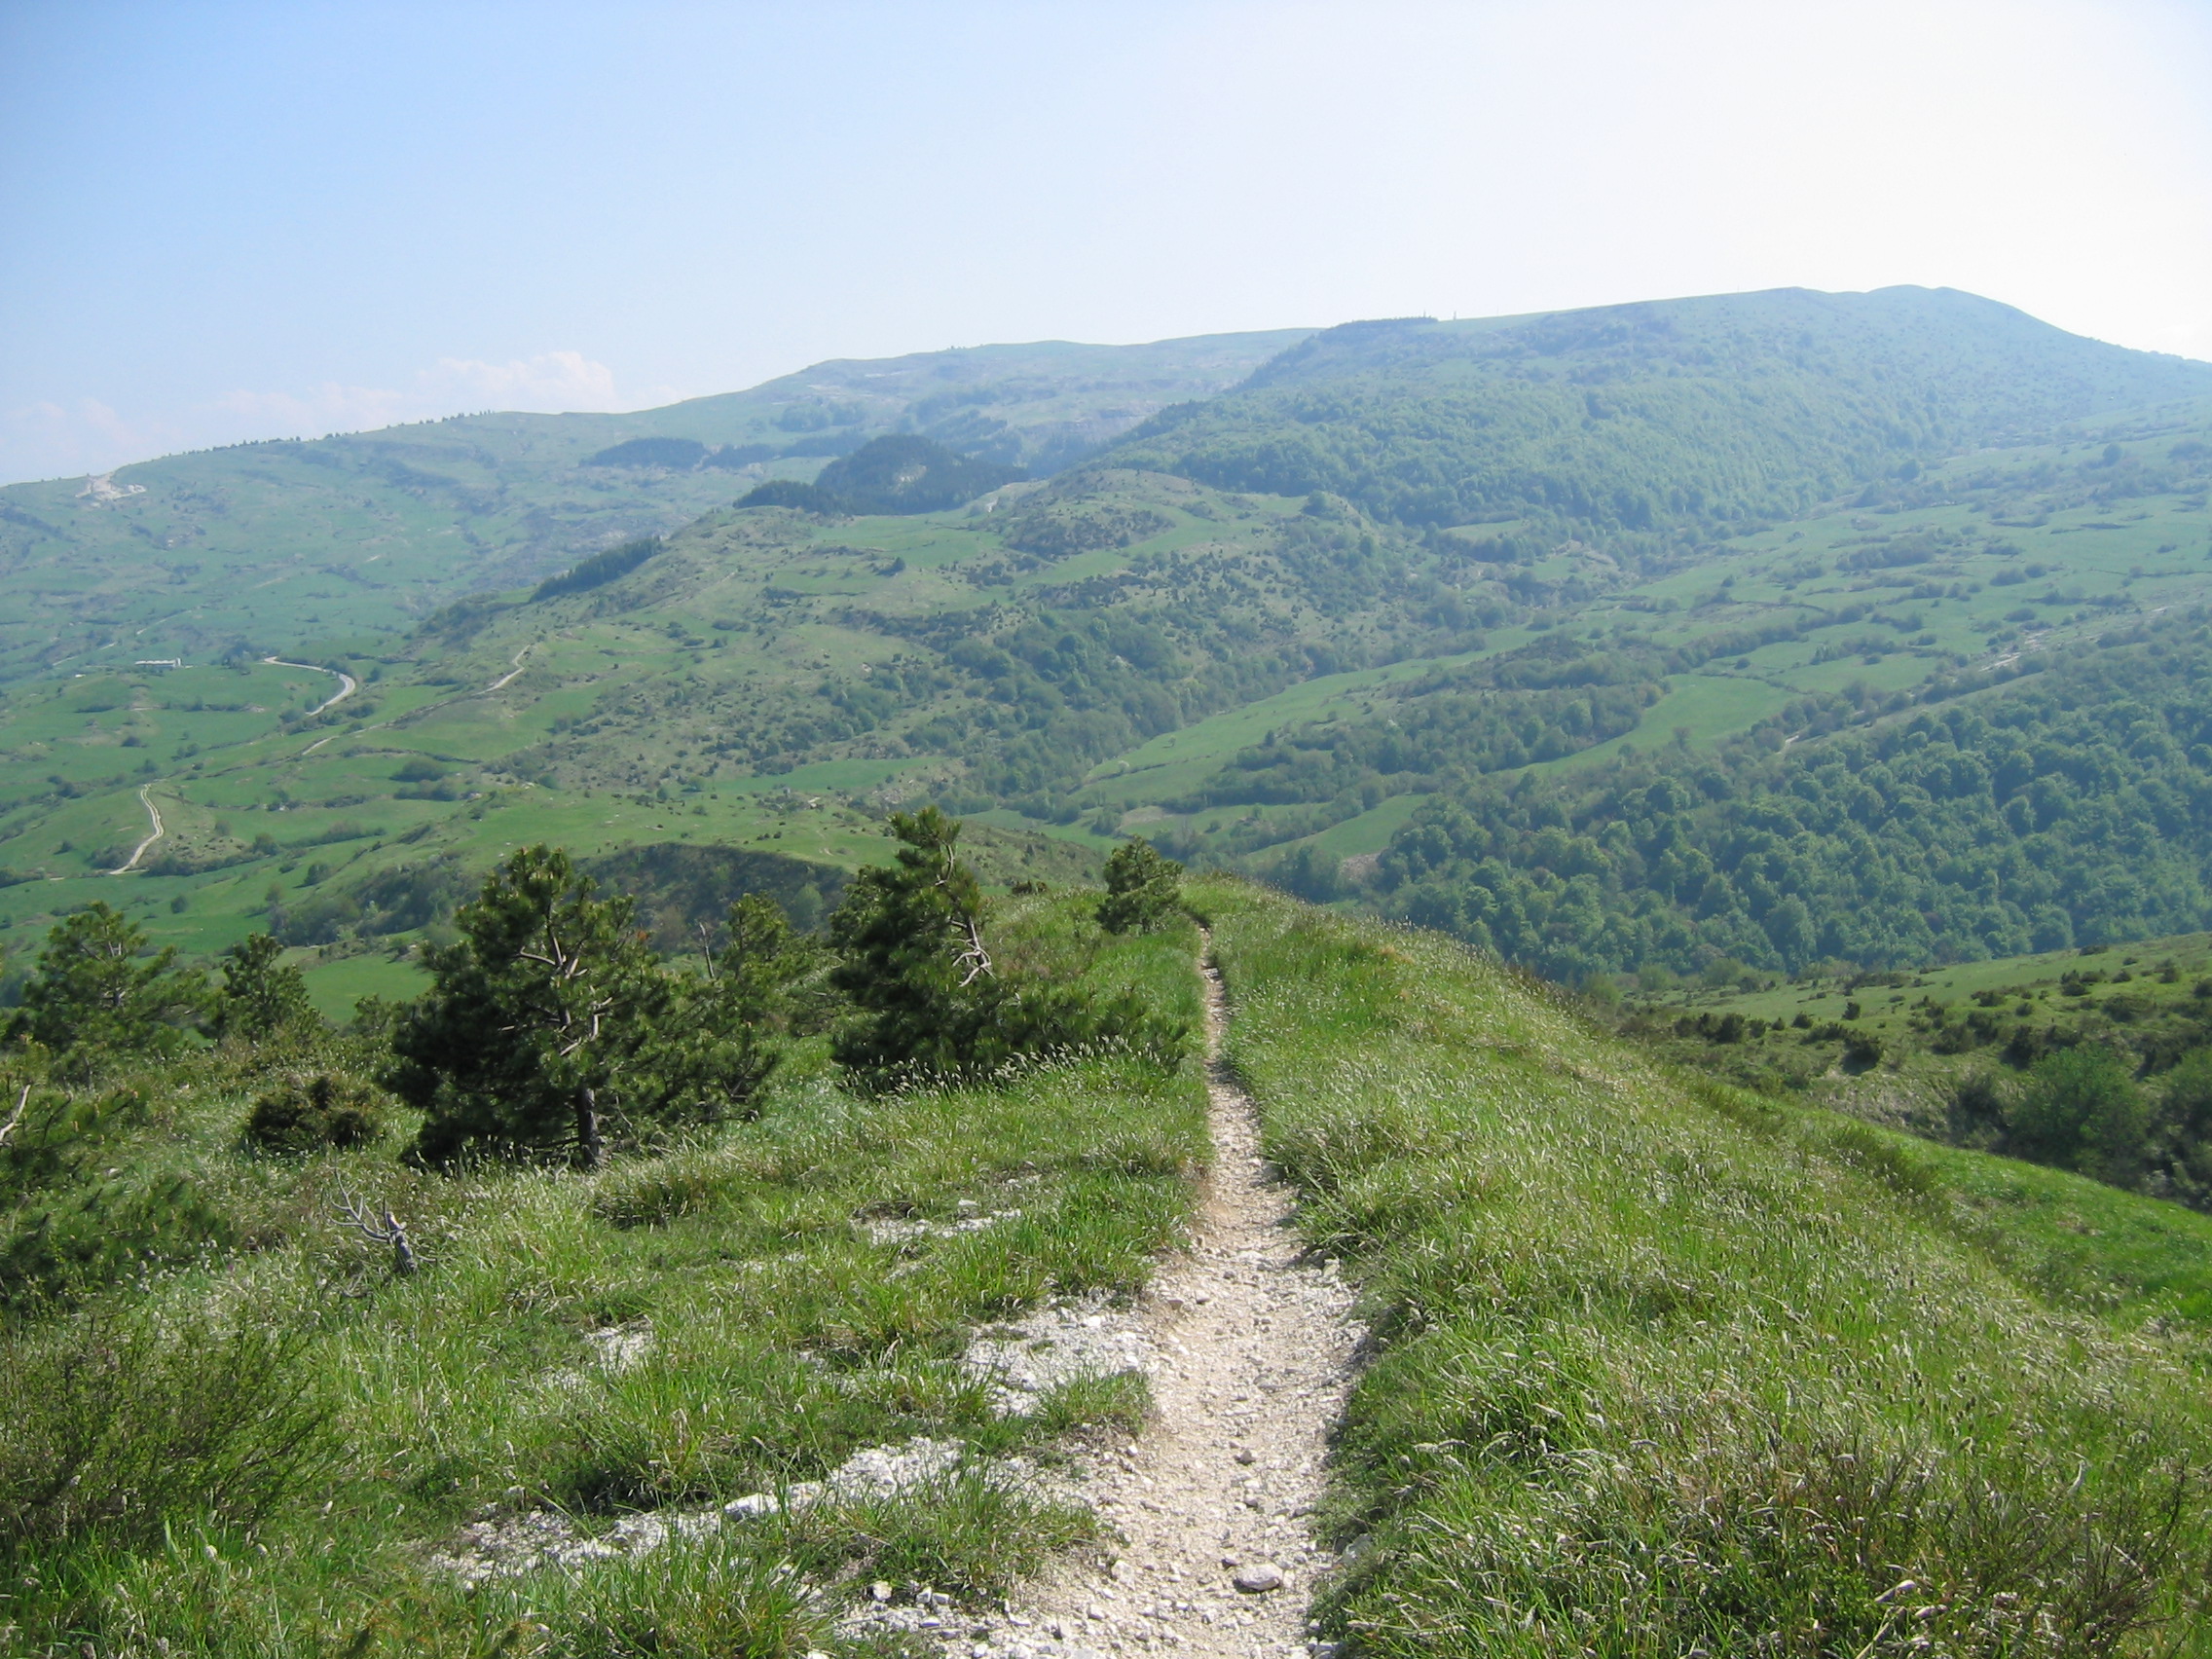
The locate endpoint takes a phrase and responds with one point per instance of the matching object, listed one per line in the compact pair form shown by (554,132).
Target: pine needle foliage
(551,1016)
(261,998)
(1143,890)
(96,990)
(929,999)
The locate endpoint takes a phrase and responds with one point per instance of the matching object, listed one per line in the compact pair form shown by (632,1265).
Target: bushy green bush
(2079,1109)
(123,1429)
(310,1113)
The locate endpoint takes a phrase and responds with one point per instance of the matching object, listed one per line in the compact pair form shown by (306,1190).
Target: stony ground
(1248,1352)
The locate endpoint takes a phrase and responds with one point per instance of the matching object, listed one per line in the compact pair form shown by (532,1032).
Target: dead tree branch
(389,1231)
(15,1117)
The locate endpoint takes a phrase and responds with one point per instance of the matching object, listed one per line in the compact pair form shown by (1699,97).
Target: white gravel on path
(1249,1354)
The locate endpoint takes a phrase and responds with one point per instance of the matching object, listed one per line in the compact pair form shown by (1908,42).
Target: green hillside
(268,546)
(2093,1059)
(1650,425)
(1663,1367)
(1440,717)
(1653,1365)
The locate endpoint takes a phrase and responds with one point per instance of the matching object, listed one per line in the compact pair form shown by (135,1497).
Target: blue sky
(222,221)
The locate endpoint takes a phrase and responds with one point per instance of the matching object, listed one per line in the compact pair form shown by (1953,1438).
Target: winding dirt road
(346,684)
(154,814)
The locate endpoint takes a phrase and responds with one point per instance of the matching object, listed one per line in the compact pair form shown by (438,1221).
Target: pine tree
(551,1015)
(260,998)
(96,990)
(932,1002)
(1143,890)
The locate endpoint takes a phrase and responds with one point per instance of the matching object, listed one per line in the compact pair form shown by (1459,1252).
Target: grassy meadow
(242,1433)
(1663,1367)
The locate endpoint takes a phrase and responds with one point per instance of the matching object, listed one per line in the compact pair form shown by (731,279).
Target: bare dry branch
(389,1231)
(15,1117)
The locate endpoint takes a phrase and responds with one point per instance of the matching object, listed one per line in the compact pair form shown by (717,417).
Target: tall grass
(773,1326)
(1661,1370)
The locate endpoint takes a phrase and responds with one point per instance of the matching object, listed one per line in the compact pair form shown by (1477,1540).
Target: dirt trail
(155,831)
(513,672)
(1250,1357)
(346,684)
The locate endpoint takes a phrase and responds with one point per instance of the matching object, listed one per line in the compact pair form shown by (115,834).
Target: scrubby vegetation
(1658,1364)
(2092,1060)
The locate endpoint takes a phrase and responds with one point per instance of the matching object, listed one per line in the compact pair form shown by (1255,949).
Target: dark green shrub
(1143,890)
(260,998)
(2079,1109)
(97,992)
(1861,1051)
(308,1114)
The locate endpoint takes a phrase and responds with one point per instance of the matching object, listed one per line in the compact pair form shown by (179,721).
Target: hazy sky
(221,221)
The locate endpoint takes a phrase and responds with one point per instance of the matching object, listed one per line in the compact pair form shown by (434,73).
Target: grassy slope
(1912,1086)
(1663,1367)
(1658,1364)
(785,1335)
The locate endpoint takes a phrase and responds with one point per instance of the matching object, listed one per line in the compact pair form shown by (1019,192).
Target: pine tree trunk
(589,1151)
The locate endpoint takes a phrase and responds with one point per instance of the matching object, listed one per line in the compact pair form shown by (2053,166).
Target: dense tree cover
(2071,805)
(600,569)
(903,473)
(929,999)
(791,492)
(1634,426)
(551,1019)
(676,453)
(1060,690)
(898,474)
(1418,742)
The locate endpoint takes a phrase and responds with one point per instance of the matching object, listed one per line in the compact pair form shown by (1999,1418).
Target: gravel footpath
(1249,1353)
